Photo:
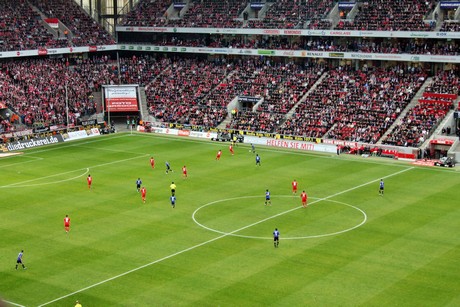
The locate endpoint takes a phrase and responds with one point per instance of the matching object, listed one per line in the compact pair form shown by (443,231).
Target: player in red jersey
(152,162)
(90,181)
(294,187)
(67,223)
(143,194)
(231,149)
(184,172)
(304,198)
(219,153)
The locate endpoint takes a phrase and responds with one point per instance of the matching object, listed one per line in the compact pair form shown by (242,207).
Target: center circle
(234,233)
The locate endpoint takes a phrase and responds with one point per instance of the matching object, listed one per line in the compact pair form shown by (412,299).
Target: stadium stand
(21,28)
(211,14)
(148,13)
(36,88)
(450,27)
(180,95)
(421,120)
(391,16)
(281,85)
(84,30)
(226,14)
(355,105)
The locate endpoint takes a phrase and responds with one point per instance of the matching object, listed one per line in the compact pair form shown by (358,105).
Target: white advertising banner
(81,134)
(186,133)
(53,51)
(297,32)
(288,144)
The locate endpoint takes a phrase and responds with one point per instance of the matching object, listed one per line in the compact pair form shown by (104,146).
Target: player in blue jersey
(173,201)
(168,167)
(257,160)
(253,148)
(268,201)
(276,237)
(381,187)
(19,260)
(138,184)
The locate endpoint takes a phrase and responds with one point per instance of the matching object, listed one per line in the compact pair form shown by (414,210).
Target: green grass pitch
(349,247)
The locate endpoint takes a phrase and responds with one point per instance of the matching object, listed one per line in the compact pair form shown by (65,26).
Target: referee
(173,188)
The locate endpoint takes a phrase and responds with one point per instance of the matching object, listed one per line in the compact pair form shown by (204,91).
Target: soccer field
(349,247)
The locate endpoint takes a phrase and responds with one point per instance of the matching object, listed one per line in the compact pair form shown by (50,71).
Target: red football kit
(90,180)
(304,198)
(143,194)
(294,186)
(231,149)
(152,162)
(184,171)
(219,153)
(67,223)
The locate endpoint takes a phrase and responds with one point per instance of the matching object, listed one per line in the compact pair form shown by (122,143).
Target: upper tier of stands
(84,29)
(379,15)
(382,15)
(22,27)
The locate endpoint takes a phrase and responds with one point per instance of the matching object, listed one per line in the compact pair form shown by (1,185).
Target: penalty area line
(214,239)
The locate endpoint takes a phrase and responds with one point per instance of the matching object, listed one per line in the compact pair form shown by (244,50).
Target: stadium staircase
(57,33)
(302,100)
(412,104)
(145,114)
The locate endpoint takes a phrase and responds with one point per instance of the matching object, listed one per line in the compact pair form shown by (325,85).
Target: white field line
(212,240)
(23,162)
(22,185)
(64,173)
(11,303)
(282,213)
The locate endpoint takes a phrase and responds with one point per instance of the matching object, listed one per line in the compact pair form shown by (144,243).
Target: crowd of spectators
(450,27)
(348,104)
(36,89)
(355,105)
(226,14)
(316,23)
(382,15)
(180,93)
(5,124)
(21,28)
(282,14)
(84,30)
(446,82)
(148,13)
(281,85)
(420,121)
(212,14)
